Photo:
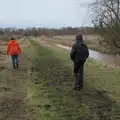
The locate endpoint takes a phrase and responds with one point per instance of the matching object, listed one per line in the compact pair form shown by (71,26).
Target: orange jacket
(13,48)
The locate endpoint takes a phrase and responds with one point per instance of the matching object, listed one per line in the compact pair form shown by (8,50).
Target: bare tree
(106,20)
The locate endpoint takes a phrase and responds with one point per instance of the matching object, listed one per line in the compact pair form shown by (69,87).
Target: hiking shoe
(14,67)
(78,88)
(17,66)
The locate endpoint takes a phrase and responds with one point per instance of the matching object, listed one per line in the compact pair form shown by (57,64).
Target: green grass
(50,88)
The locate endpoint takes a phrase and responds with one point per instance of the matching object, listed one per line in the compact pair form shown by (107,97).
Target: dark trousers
(79,73)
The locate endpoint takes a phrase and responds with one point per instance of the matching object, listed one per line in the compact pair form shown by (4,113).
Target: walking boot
(17,65)
(14,67)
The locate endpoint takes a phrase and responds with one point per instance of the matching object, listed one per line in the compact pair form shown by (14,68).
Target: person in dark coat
(79,54)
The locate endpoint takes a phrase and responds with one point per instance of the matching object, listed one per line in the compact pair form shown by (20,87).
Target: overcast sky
(44,13)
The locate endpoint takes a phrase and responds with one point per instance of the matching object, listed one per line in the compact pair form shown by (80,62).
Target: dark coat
(79,50)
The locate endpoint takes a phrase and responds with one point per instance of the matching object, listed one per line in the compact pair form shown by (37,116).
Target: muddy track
(13,90)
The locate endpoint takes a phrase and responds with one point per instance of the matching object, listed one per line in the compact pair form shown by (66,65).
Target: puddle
(107,59)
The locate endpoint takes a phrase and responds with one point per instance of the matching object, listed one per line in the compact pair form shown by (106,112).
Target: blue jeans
(15,59)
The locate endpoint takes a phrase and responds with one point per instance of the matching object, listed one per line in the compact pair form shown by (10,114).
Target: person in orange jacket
(14,49)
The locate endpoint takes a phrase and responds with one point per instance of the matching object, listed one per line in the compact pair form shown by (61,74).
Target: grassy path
(42,89)
(51,86)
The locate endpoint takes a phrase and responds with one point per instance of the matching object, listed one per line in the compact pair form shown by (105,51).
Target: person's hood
(13,41)
(79,39)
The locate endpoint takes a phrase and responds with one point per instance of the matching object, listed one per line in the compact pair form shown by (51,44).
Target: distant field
(91,40)
(2,42)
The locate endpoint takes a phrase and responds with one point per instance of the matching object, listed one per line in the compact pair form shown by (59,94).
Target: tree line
(5,33)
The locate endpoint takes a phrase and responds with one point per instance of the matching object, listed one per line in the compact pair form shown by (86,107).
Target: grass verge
(50,88)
